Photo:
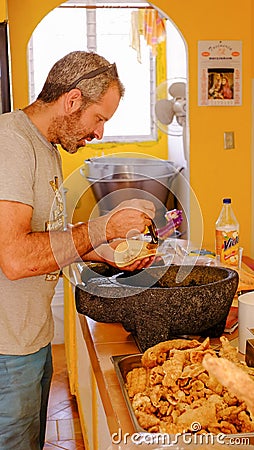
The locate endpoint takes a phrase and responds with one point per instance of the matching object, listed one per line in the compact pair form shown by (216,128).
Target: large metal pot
(114,179)
(108,167)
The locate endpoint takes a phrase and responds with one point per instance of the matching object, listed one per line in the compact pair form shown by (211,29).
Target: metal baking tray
(125,363)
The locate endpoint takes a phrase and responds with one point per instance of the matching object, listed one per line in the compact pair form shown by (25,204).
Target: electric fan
(170,106)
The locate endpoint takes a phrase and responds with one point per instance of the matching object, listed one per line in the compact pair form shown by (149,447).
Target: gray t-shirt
(30,173)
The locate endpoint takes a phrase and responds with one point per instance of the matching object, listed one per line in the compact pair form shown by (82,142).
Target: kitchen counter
(111,424)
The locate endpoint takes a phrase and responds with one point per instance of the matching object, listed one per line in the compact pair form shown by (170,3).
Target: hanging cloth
(147,23)
(153,29)
(137,21)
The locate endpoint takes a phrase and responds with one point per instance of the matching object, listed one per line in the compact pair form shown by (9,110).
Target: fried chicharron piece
(136,380)
(159,352)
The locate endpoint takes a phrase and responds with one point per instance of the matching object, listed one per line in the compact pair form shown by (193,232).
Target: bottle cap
(227,200)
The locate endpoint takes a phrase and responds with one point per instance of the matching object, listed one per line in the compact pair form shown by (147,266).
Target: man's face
(74,130)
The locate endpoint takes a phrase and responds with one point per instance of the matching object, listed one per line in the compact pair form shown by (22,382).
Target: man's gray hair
(63,75)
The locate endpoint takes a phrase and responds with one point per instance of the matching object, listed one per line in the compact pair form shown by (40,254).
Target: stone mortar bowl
(159,303)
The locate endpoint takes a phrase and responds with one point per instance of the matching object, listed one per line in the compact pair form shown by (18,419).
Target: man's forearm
(38,253)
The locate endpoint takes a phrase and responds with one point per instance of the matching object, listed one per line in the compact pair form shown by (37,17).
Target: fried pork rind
(230,353)
(204,415)
(175,388)
(172,368)
(227,351)
(136,381)
(159,353)
(148,421)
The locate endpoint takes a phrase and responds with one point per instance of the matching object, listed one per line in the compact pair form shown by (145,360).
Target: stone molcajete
(159,303)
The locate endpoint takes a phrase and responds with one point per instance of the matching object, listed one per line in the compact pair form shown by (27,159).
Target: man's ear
(72,101)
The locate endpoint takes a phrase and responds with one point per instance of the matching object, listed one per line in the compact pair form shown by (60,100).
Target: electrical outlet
(229,140)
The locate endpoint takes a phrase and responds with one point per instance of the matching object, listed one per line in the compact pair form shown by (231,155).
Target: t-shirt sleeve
(17,169)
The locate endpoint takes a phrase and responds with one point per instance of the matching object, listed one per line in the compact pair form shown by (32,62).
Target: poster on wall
(220,73)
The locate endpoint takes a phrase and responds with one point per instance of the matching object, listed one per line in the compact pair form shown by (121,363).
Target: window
(106,31)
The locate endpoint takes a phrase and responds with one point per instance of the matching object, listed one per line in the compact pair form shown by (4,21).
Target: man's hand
(129,218)
(105,253)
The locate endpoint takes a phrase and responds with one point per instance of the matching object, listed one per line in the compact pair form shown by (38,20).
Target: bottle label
(227,247)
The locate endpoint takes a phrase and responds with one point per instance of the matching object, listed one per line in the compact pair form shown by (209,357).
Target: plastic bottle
(227,236)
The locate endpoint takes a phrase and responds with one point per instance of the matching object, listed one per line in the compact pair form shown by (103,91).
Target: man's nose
(99,131)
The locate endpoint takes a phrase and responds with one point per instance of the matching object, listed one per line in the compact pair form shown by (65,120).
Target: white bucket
(58,313)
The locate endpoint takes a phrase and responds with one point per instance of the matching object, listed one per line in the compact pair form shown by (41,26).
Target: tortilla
(131,250)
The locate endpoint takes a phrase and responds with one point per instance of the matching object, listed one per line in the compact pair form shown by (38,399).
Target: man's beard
(66,132)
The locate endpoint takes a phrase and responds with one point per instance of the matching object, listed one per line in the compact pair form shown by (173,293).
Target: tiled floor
(63,426)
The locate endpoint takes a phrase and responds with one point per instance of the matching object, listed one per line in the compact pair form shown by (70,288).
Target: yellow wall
(3,10)
(214,172)
(23,18)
